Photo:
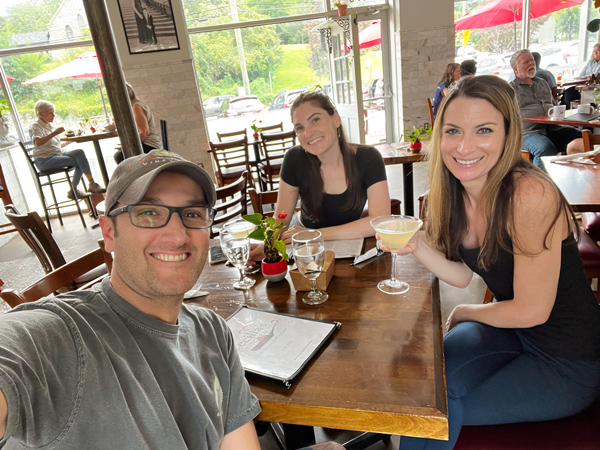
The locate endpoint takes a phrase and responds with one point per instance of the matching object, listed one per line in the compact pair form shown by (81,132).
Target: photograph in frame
(149,25)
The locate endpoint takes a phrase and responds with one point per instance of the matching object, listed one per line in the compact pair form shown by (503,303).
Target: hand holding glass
(237,251)
(309,254)
(395,232)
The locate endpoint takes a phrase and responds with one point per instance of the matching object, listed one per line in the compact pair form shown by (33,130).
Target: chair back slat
(273,147)
(231,202)
(277,126)
(260,199)
(231,159)
(37,236)
(232,134)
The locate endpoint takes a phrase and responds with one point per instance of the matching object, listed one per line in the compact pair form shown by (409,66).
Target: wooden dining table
(564,122)
(579,183)
(399,153)
(95,138)
(382,371)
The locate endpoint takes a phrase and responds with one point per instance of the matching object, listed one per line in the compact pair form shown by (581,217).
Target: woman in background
(144,120)
(451,74)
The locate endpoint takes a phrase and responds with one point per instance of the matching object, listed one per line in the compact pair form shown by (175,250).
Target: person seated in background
(144,120)
(535,99)
(591,69)
(534,353)
(451,74)
(468,67)
(49,154)
(332,178)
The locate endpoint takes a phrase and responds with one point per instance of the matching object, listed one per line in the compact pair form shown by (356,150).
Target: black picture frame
(149,25)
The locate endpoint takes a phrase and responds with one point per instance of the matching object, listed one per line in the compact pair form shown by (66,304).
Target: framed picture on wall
(149,25)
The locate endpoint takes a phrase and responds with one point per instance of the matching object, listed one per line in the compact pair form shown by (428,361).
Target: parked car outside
(285,98)
(240,106)
(498,65)
(212,105)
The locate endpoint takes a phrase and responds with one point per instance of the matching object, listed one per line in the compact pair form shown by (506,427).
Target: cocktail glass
(395,232)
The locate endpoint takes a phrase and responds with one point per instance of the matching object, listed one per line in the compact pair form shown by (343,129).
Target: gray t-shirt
(89,370)
(534,100)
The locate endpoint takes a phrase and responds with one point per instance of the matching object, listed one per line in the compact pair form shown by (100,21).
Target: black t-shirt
(371,170)
(573,329)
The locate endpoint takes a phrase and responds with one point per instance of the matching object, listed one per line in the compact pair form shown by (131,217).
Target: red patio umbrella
(499,12)
(370,36)
(9,79)
(84,66)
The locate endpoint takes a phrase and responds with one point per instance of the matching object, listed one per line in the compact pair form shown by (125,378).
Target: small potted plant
(255,128)
(274,264)
(416,136)
(342,8)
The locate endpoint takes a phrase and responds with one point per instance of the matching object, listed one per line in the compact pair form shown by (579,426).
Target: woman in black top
(333,179)
(534,354)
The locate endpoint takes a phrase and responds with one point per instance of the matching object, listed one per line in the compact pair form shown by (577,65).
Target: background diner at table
(534,353)
(451,75)
(48,153)
(333,178)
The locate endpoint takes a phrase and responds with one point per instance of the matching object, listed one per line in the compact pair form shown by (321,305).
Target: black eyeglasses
(157,216)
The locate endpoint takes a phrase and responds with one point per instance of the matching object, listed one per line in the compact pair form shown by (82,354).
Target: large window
(555,35)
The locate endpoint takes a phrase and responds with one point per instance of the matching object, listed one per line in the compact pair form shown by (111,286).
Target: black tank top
(573,329)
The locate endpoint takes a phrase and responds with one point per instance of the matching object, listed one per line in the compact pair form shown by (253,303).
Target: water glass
(309,255)
(241,228)
(237,251)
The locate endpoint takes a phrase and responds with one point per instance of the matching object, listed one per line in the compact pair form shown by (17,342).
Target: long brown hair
(446,224)
(312,181)
(448,76)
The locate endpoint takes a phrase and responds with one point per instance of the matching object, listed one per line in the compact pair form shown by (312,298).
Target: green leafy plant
(255,127)
(268,232)
(338,4)
(4,106)
(417,134)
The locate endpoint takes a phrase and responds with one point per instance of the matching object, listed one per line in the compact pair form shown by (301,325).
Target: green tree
(566,24)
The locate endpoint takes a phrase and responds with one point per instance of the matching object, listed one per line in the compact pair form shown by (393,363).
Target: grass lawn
(294,71)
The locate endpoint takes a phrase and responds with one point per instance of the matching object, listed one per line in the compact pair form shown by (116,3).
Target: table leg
(408,188)
(101,162)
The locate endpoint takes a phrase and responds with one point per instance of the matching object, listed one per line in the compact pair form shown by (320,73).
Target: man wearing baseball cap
(126,364)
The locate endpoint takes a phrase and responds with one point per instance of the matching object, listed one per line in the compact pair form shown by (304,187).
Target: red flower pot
(415,147)
(342,10)
(274,271)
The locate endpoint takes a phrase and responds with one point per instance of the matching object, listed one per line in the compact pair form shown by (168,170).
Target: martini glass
(241,228)
(395,232)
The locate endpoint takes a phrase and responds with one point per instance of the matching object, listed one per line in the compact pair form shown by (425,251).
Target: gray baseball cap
(132,178)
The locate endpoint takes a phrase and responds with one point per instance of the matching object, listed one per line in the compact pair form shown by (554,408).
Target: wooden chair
(232,134)
(35,234)
(6,200)
(260,199)
(272,128)
(231,160)
(430,109)
(590,221)
(64,177)
(165,134)
(59,279)
(231,202)
(272,148)
(394,208)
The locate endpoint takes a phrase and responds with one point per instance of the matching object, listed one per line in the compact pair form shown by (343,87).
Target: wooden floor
(19,267)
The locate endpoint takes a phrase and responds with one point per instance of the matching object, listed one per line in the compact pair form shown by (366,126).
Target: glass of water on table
(309,255)
(237,250)
(241,228)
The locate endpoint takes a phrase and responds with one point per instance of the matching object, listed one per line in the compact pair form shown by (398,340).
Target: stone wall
(67,15)
(171,91)
(422,58)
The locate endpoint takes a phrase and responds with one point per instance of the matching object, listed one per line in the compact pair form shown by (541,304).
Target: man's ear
(108,233)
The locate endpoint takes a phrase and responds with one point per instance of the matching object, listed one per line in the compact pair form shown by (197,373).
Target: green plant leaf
(280,246)
(258,234)
(253,218)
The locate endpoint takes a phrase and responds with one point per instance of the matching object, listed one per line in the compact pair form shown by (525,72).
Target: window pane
(201,13)
(264,62)
(42,22)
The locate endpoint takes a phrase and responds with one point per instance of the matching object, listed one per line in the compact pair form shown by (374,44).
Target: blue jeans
(495,376)
(74,158)
(554,142)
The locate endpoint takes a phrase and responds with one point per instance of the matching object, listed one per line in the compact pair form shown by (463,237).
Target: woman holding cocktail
(534,354)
